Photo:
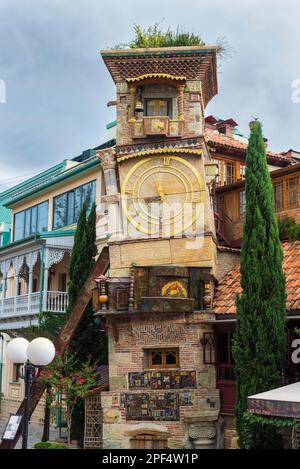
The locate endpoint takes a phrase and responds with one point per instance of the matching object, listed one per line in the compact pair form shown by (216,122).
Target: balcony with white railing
(57,301)
(32,282)
(32,304)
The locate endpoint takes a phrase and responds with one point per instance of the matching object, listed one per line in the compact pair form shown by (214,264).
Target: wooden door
(145,441)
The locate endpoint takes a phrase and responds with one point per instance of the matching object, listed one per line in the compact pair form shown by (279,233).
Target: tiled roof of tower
(229,286)
(217,140)
(193,62)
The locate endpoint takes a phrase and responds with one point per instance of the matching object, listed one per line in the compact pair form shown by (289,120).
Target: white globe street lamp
(16,350)
(40,351)
(37,353)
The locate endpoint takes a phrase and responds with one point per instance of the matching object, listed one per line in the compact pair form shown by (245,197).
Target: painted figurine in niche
(174,289)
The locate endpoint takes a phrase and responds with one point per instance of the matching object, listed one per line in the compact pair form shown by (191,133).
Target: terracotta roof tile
(229,286)
(214,138)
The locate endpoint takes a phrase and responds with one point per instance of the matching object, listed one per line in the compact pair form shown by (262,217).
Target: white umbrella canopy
(279,402)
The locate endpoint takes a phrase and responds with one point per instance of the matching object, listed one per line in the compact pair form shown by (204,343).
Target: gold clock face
(162,195)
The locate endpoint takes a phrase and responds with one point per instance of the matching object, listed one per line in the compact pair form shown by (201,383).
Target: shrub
(48,445)
(154,36)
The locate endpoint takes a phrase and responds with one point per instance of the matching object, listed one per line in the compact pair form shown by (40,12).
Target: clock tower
(155,304)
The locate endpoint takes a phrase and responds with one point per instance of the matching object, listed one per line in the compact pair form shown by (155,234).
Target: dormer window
(158,107)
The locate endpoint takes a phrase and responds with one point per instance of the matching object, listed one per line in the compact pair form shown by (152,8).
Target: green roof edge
(74,171)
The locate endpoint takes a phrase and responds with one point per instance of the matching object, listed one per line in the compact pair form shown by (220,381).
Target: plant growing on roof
(259,341)
(154,36)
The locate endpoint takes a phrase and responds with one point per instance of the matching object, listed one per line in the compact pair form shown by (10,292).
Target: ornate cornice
(150,76)
(179,146)
(159,151)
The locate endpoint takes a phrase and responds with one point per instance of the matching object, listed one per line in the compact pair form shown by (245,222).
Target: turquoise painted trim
(81,168)
(37,236)
(34,179)
(41,283)
(111,124)
(237,132)
(56,233)
(20,241)
(6,238)
(6,197)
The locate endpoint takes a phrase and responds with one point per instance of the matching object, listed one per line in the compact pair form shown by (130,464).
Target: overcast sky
(57,86)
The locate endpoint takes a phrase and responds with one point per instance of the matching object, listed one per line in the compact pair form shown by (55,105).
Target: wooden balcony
(156,126)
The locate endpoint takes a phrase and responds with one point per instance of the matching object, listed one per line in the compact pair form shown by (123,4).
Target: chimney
(210,122)
(226,127)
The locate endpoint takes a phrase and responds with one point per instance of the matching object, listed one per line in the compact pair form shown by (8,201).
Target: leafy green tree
(259,340)
(65,376)
(78,263)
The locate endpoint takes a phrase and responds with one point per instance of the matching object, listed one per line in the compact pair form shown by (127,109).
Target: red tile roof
(215,139)
(229,286)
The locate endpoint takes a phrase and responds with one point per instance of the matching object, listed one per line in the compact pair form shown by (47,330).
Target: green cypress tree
(259,340)
(89,340)
(77,270)
(91,248)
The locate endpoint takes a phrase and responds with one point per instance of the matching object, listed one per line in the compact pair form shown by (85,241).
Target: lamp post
(35,354)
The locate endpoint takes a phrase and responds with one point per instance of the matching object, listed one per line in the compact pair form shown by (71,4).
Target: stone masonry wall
(192,104)
(128,355)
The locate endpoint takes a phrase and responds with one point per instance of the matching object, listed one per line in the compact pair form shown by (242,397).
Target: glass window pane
(171,358)
(156,358)
(42,217)
(242,203)
(229,173)
(89,194)
(33,225)
(70,217)
(77,202)
(291,192)
(60,211)
(278,195)
(27,224)
(19,226)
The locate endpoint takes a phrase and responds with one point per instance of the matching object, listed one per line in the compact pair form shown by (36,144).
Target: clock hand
(159,189)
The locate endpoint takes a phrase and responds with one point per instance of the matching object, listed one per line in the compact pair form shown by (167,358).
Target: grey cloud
(57,86)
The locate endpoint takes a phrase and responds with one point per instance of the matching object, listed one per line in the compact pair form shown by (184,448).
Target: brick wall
(136,335)
(226,261)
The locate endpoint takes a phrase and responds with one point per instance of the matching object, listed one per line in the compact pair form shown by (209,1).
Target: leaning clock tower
(155,304)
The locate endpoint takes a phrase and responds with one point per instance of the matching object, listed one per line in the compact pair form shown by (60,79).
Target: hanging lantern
(103,298)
